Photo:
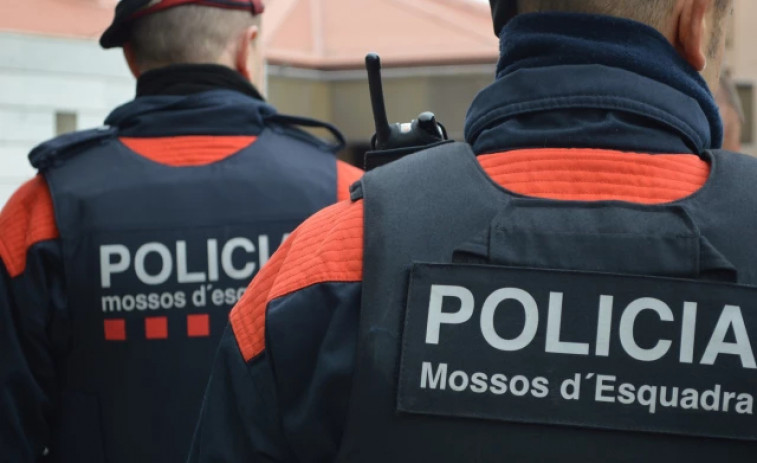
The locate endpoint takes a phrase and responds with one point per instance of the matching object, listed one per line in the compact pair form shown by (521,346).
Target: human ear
(131,60)
(243,61)
(690,39)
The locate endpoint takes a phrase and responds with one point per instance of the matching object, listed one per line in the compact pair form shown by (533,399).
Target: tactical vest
(154,258)
(496,327)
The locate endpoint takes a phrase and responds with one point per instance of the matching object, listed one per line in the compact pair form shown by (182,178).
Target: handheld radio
(393,141)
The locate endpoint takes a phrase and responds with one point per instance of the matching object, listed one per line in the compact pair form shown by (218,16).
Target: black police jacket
(645,123)
(121,261)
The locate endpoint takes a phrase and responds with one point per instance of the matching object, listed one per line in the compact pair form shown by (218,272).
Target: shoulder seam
(326,248)
(57,150)
(27,219)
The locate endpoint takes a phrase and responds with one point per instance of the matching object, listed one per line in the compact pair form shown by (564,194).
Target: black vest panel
(155,256)
(496,327)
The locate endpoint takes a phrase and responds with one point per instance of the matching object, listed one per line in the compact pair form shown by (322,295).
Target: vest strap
(57,150)
(439,206)
(643,240)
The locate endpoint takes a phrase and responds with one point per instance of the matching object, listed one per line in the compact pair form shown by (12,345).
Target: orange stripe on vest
(327,247)
(597,175)
(26,219)
(191,150)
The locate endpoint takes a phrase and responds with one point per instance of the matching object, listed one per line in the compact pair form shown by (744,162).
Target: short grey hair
(651,12)
(191,34)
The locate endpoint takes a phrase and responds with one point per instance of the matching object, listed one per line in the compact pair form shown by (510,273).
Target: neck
(552,39)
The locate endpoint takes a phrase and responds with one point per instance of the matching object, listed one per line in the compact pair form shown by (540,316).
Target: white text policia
(730,322)
(117,258)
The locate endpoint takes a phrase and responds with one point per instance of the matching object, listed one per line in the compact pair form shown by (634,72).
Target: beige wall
(300,97)
(741,57)
(49,85)
(342,98)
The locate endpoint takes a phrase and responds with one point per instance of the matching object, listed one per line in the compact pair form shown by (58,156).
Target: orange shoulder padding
(191,150)
(26,219)
(346,175)
(328,247)
(597,175)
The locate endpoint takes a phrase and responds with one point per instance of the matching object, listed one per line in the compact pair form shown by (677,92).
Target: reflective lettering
(435,315)
(529,327)
(181,266)
(688,329)
(554,323)
(227,254)
(627,321)
(730,318)
(107,267)
(434,381)
(604,326)
(166,263)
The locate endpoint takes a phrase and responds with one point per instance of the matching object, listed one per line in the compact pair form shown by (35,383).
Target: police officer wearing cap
(576,283)
(120,261)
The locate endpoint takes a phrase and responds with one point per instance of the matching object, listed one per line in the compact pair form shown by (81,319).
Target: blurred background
(437,55)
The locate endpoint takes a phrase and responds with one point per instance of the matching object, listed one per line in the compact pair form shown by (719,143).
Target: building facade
(438,54)
(741,63)
(54,78)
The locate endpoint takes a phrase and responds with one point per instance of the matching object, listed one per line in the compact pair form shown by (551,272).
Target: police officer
(121,260)
(574,284)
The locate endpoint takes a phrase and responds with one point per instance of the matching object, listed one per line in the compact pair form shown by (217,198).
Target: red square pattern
(156,327)
(115,329)
(198,326)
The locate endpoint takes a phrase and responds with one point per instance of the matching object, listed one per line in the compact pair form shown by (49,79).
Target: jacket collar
(596,81)
(186,79)
(216,112)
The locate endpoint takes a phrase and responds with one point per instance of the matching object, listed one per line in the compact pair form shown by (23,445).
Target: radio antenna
(373,66)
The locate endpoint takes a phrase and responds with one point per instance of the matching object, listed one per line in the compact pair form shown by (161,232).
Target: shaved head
(190,34)
(652,12)
(696,28)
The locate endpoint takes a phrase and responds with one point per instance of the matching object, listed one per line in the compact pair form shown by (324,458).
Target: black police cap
(127,11)
(502,12)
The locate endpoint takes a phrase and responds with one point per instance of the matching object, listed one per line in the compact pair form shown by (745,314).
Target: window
(65,122)
(746,95)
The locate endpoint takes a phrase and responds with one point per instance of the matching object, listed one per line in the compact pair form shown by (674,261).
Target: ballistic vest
(497,327)
(154,257)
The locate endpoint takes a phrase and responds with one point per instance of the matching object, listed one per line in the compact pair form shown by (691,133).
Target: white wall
(40,76)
